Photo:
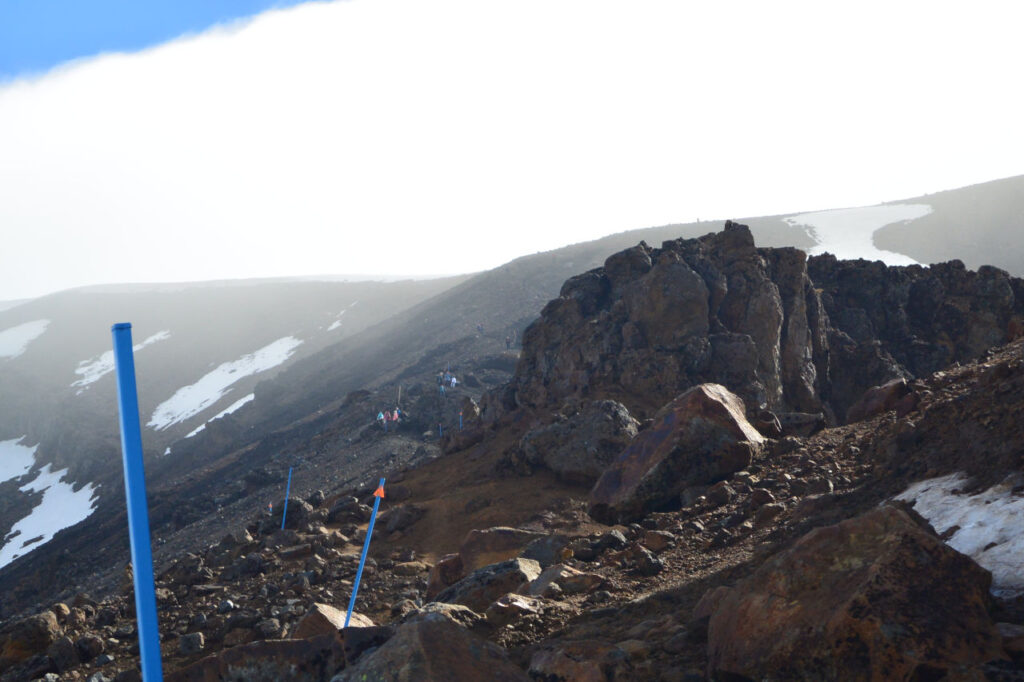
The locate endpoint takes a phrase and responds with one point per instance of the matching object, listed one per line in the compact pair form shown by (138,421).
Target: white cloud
(421,137)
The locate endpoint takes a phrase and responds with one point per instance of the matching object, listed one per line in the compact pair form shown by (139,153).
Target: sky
(185,141)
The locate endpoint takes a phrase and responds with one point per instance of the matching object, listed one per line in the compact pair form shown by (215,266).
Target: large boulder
(324,619)
(581,447)
(30,636)
(654,322)
(493,545)
(699,438)
(875,597)
(433,648)
(297,660)
(482,587)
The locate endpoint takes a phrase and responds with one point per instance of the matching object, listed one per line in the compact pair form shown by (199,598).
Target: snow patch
(230,408)
(60,508)
(848,233)
(95,368)
(15,460)
(989,524)
(191,400)
(15,340)
(336,323)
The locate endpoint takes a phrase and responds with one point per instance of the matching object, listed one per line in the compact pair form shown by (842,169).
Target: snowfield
(60,508)
(15,340)
(15,459)
(191,400)
(989,524)
(228,410)
(848,233)
(94,369)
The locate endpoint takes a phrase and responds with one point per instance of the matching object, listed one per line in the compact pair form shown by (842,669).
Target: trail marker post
(287,492)
(460,420)
(378,495)
(135,495)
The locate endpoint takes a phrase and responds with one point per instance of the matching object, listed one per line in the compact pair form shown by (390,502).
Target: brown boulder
(482,587)
(492,545)
(878,597)
(323,619)
(568,579)
(433,648)
(579,661)
(578,449)
(446,572)
(880,399)
(28,637)
(298,660)
(700,437)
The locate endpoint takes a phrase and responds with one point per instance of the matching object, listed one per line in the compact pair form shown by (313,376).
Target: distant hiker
(454,381)
(380,418)
(480,329)
(397,414)
(508,342)
(441,388)
(270,508)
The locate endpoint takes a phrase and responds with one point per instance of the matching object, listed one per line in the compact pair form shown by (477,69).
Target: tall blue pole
(135,494)
(366,547)
(287,492)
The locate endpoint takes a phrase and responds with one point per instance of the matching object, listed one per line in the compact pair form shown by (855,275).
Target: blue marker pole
(366,547)
(287,492)
(460,421)
(440,431)
(135,494)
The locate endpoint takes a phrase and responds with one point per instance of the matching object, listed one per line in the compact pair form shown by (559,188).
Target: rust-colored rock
(298,660)
(568,579)
(446,572)
(493,545)
(433,648)
(878,597)
(27,637)
(700,437)
(323,619)
(879,399)
(481,588)
(579,661)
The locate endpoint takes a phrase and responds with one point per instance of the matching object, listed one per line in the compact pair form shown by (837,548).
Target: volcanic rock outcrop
(786,333)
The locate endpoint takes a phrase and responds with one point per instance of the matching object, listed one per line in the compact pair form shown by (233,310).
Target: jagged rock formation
(784,332)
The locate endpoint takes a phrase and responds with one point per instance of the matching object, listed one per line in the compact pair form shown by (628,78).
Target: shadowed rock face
(654,322)
(699,438)
(781,331)
(875,597)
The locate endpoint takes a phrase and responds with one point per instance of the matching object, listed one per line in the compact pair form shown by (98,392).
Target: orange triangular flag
(379,492)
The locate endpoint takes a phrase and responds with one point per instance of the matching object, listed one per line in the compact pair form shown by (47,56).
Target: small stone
(191,643)
(225,606)
(768,512)
(760,497)
(634,648)
(657,540)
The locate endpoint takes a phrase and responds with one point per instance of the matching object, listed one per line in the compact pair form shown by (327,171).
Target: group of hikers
(390,417)
(446,379)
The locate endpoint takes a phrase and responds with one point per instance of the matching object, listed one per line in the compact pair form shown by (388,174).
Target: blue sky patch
(37,35)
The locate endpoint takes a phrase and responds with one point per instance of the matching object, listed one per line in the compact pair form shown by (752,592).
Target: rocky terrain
(691,473)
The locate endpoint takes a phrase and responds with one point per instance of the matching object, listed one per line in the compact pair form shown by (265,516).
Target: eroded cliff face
(653,322)
(783,332)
